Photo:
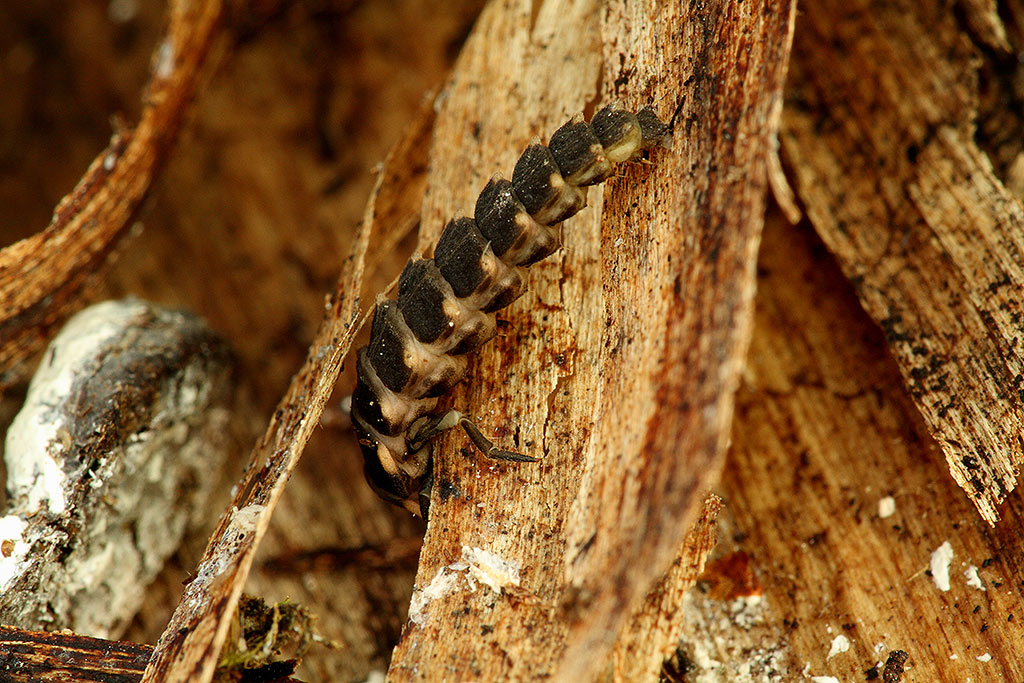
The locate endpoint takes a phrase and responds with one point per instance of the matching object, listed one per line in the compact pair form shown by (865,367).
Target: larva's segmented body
(445,306)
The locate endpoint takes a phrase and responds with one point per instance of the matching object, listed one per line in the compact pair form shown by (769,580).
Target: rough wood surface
(619,365)
(41,277)
(263,197)
(879,134)
(824,434)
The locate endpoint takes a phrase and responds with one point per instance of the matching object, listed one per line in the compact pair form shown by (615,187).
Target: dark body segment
(539,185)
(421,297)
(458,256)
(579,154)
(393,487)
(652,129)
(515,237)
(468,263)
(386,349)
(404,365)
(435,315)
(367,397)
(619,132)
(445,304)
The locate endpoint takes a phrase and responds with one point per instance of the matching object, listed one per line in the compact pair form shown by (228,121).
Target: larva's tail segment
(445,304)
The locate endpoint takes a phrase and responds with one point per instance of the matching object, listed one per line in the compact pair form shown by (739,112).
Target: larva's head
(385,477)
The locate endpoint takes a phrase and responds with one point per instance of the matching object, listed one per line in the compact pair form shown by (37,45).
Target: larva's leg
(485,446)
(426,486)
(426,428)
(423,431)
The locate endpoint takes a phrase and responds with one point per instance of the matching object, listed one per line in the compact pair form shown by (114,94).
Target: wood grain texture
(619,366)
(824,431)
(63,657)
(879,134)
(38,657)
(41,277)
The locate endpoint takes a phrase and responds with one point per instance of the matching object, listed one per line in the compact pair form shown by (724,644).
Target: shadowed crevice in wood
(190,646)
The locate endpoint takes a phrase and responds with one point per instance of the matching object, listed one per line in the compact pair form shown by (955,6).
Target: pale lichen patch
(973,580)
(442,584)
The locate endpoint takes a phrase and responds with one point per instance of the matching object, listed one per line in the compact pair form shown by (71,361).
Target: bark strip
(836,493)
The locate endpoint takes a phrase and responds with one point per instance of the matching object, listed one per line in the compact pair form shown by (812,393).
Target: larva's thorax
(445,306)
